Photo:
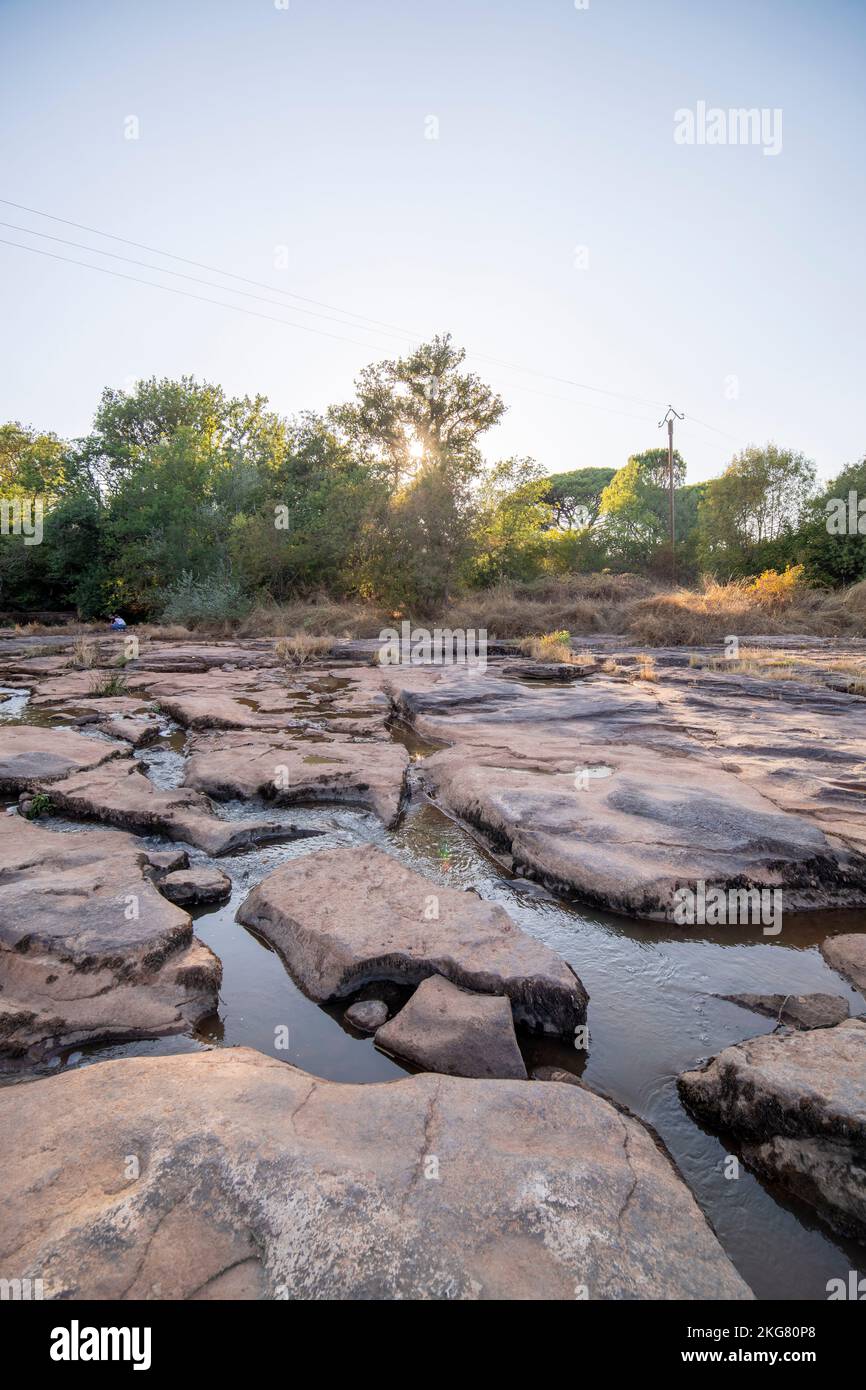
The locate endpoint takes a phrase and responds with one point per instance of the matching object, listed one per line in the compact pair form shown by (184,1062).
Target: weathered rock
(847,954)
(138,732)
(122,795)
(447,1029)
(343,917)
(367,1015)
(258,1180)
(797,1010)
(31,755)
(290,770)
(728,784)
(196,887)
(89,950)
(548,670)
(796,1102)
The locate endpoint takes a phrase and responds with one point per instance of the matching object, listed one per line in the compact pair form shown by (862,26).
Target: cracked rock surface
(256,1180)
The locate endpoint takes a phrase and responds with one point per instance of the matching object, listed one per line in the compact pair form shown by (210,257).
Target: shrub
(773,589)
(214,601)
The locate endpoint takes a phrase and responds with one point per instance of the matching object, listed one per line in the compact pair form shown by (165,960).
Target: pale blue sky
(305,127)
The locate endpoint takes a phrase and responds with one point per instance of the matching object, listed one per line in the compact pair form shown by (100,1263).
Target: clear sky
(306,128)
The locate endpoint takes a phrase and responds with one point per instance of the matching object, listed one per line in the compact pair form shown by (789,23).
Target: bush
(210,602)
(773,589)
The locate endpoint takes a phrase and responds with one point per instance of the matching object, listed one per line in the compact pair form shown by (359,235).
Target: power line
(274,289)
(270,318)
(186,294)
(200,265)
(377,325)
(162,270)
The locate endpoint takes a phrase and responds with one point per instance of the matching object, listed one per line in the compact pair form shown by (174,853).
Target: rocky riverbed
(221,878)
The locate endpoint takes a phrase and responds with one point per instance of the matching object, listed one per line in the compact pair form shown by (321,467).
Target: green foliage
(831,556)
(750,514)
(188,504)
(575,497)
(512,517)
(634,509)
(195,602)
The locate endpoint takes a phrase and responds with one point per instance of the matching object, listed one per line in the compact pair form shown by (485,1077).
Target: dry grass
(163,632)
(319,616)
(302,647)
(551,646)
(645,668)
(694,618)
(85,654)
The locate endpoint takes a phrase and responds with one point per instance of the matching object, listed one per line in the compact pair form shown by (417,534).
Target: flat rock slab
(89,949)
(257,1180)
(797,1010)
(561,671)
(121,794)
(344,917)
(847,954)
(137,732)
(195,887)
(735,783)
(290,771)
(796,1102)
(451,1030)
(30,754)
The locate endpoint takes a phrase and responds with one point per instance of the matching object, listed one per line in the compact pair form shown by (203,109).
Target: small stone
(367,1015)
(191,887)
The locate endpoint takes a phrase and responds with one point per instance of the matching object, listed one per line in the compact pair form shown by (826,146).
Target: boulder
(796,1105)
(847,955)
(797,1010)
(196,887)
(31,755)
(90,951)
(341,918)
(447,1029)
(256,1180)
(290,770)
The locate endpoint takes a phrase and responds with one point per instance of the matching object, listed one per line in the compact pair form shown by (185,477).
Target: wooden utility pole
(669,421)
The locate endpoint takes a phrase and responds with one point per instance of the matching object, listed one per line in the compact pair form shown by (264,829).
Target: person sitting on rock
(116,623)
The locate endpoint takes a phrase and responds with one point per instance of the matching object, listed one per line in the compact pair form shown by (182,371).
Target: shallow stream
(652,1012)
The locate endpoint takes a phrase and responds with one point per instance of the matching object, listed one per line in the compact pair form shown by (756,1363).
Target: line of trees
(181,493)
